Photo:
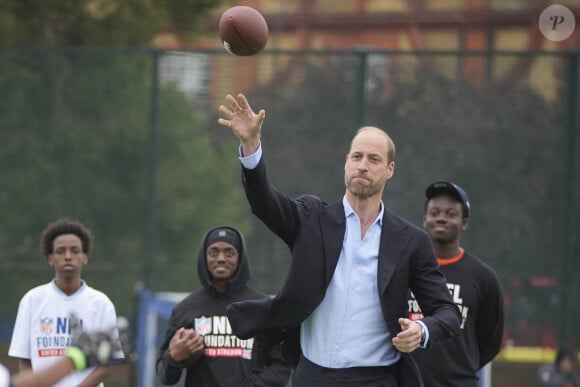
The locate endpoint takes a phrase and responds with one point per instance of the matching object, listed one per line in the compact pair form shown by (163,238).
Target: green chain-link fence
(127,142)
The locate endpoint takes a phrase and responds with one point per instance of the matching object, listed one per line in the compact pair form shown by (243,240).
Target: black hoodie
(227,361)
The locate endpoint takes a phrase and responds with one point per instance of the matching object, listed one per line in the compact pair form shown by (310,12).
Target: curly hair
(63,227)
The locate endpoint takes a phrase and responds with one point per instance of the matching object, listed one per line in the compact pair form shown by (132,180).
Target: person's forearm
(24,365)
(168,370)
(46,377)
(95,377)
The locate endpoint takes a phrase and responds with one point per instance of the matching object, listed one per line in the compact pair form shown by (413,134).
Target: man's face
(443,219)
(67,256)
(222,260)
(367,167)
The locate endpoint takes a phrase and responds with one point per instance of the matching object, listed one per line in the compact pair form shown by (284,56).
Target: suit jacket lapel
(394,240)
(333,226)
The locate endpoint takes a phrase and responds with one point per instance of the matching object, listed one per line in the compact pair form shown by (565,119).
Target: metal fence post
(153,156)
(567,285)
(361,76)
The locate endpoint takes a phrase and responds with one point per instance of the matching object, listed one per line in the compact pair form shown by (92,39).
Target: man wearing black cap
(475,288)
(199,338)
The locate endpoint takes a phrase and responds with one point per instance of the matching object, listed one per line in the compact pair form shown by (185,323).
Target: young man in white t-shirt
(42,329)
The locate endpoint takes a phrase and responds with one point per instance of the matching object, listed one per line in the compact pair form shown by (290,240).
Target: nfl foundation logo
(46,326)
(203,325)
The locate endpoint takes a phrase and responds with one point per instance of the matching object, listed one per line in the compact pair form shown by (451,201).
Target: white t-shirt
(4,376)
(42,331)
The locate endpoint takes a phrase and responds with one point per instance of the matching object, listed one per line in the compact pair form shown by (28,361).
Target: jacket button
(308,310)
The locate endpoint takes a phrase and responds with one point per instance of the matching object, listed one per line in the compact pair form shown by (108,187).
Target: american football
(243,31)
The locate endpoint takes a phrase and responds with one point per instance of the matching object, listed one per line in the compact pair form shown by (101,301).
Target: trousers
(309,374)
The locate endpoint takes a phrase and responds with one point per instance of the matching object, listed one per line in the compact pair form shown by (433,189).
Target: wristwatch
(423,335)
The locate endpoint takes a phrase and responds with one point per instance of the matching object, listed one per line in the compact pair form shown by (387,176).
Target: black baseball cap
(450,189)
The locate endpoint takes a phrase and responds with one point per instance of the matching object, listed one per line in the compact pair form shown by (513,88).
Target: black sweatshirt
(476,290)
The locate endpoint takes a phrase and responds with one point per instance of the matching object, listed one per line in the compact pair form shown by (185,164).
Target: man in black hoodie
(199,338)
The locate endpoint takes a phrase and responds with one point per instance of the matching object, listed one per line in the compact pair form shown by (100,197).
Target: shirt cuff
(251,161)
(425,342)
(171,362)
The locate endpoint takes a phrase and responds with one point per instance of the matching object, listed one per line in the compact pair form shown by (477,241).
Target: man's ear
(464,224)
(390,169)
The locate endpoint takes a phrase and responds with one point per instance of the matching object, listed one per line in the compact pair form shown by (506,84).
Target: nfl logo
(203,325)
(46,326)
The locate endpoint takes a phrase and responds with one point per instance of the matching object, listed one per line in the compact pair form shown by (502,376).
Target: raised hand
(244,123)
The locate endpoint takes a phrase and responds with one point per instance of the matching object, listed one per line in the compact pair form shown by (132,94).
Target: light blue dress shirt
(356,335)
(348,328)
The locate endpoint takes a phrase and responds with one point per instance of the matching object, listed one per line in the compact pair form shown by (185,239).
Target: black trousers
(308,374)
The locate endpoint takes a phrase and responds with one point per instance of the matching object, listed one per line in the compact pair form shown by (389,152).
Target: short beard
(362,192)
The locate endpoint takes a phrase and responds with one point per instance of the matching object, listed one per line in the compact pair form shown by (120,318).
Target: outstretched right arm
(45,377)
(273,207)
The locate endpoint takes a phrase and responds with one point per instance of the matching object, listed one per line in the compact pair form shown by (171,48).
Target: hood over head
(234,237)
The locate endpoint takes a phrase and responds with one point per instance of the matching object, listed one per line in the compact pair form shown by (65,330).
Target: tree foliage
(75,141)
(98,22)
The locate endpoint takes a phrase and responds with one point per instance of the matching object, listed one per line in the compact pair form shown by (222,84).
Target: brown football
(243,31)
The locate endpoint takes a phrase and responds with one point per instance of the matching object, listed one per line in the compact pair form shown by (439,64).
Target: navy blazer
(314,232)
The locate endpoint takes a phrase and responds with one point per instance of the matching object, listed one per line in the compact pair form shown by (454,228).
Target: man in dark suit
(340,311)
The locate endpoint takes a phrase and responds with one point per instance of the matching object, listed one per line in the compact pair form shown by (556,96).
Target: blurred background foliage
(99,22)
